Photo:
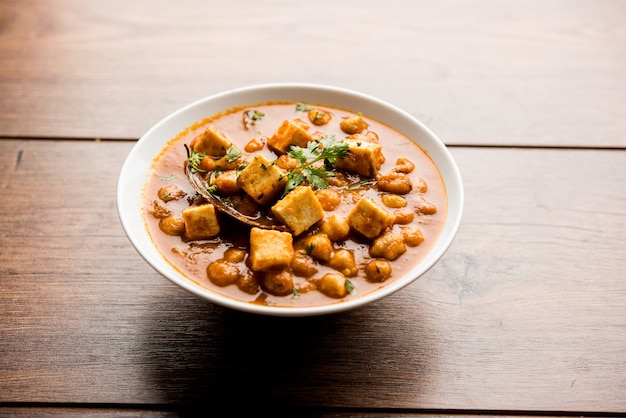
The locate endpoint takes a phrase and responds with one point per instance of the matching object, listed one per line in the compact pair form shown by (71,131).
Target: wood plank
(524,313)
(118,411)
(478,72)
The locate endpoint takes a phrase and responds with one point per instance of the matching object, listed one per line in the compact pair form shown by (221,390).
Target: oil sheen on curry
(351,203)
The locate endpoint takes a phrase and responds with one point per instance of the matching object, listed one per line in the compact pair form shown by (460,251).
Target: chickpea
(278,282)
(378,270)
(353,124)
(412,236)
(172,225)
(398,183)
(319,116)
(421,186)
(226,183)
(234,255)
(287,163)
(303,265)
(393,201)
(222,273)
(159,211)
(343,261)
(169,193)
(338,180)
(248,283)
(389,246)
(328,198)
(333,285)
(425,208)
(207,163)
(372,137)
(227,162)
(403,165)
(318,246)
(403,217)
(255,144)
(336,227)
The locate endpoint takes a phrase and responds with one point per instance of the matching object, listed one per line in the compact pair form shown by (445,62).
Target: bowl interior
(138,163)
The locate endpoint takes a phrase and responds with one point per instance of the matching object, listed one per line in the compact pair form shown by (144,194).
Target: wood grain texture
(524,313)
(479,72)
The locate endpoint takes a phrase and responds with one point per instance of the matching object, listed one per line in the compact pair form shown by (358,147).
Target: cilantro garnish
(194,159)
(302,107)
(325,150)
(232,153)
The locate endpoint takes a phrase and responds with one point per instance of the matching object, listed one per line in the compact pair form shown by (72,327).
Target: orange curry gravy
(191,258)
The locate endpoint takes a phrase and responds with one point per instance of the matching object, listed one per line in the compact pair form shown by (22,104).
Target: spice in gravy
(342,252)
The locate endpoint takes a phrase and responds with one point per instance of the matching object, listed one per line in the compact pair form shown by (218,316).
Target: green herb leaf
(350,286)
(232,153)
(194,160)
(251,116)
(302,107)
(166,178)
(325,150)
(294,179)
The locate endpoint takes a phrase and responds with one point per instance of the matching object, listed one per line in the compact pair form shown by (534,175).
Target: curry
(347,204)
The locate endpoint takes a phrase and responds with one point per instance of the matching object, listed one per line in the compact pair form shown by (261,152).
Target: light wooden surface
(525,314)
(477,72)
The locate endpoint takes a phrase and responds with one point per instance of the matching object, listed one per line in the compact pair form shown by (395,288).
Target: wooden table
(525,314)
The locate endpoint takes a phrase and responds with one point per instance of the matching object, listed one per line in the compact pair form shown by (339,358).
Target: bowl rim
(130,177)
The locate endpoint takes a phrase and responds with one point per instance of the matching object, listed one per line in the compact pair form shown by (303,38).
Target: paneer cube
(270,248)
(200,222)
(289,133)
(299,210)
(369,219)
(262,180)
(363,158)
(211,142)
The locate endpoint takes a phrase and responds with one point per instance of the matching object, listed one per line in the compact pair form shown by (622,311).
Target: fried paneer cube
(200,222)
(299,210)
(289,133)
(269,249)
(262,180)
(211,142)
(369,219)
(364,158)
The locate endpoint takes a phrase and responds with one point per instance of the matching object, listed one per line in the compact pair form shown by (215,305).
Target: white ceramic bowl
(137,166)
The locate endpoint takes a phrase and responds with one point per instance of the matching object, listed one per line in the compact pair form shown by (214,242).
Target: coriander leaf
(166,178)
(325,150)
(251,116)
(232,153)
(294,179)
(194,160)
(302,107)
(316,177)
(349,286)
